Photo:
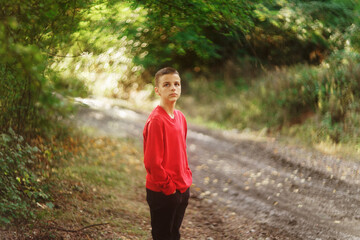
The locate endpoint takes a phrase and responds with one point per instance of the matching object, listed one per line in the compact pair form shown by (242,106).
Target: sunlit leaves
(30,32)
(110,34)
(183,29)
(286,28)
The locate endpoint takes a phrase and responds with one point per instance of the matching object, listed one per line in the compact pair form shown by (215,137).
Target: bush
(327,96)
(339,93)
(288,93)
(331,89)
(19,186)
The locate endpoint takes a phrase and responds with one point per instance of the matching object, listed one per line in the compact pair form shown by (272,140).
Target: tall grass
(325,98)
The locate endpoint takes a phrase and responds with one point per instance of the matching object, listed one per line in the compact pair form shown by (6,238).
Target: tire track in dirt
(271,188)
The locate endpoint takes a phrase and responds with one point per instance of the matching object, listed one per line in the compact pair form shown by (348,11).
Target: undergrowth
(313,103)
(27,167)
(102,182)
(89,181)
(20,183)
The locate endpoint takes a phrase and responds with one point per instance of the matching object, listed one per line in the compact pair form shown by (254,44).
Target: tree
(212,32)
(203,31)
(31,32)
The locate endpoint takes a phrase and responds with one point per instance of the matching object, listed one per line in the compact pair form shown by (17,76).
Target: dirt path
(248,185)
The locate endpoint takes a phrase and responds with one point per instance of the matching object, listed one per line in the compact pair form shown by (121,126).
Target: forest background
(279,67)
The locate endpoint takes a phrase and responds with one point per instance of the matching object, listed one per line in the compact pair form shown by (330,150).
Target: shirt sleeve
(153,157)
(185,128)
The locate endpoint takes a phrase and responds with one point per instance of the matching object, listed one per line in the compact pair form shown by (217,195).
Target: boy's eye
(177,84)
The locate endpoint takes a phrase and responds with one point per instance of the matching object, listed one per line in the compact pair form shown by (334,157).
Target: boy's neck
(168,107)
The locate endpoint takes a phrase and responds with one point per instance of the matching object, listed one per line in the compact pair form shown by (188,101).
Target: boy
(168,174)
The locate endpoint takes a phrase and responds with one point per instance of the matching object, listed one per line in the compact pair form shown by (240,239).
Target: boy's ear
(157,91)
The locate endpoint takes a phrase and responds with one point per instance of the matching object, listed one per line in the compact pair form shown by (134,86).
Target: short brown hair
(164,71)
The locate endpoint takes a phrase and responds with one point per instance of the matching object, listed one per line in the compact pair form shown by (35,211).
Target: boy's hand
(174,192)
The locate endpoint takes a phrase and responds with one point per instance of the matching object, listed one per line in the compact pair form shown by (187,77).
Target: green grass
(317,106)
(102,183)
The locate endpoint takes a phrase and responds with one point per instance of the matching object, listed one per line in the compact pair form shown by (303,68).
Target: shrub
(340,85)
(287,94)
(19,188)
(328,95)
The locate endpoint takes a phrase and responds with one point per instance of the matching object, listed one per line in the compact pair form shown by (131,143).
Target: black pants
(167,213)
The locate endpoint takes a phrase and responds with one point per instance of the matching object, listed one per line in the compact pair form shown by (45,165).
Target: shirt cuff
(170,189)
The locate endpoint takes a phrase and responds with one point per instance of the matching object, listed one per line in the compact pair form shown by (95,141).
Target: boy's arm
(153,157)
(185,128)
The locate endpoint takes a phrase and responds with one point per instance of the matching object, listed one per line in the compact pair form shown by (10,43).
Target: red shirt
(165,155)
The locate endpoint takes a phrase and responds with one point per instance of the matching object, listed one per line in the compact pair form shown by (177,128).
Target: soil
(248,187)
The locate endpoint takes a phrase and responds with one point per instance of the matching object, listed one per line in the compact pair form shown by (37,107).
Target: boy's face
(169,88)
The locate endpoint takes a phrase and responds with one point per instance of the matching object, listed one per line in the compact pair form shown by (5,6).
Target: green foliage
(340,86)
(293,31)
(30,33)
(106,35)
(275,32)
(326,95)
(292,95)
(120,44)
(287,93)
(19,188)
(203,31)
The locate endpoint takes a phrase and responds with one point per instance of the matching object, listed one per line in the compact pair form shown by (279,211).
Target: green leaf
(50,205)
(5,220)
